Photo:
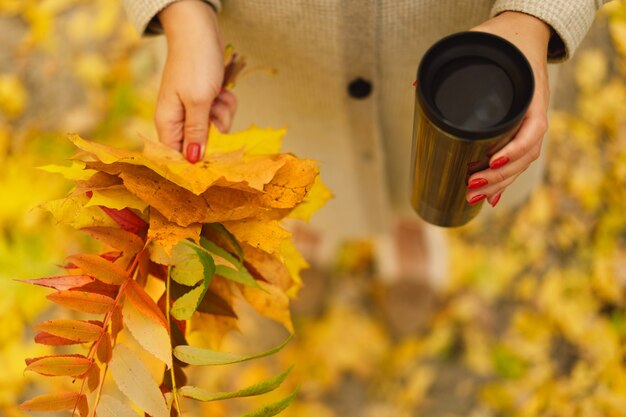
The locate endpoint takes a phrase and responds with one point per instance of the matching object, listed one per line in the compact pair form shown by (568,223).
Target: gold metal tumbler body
(472,92)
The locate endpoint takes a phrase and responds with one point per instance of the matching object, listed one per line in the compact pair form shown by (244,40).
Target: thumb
(196,130)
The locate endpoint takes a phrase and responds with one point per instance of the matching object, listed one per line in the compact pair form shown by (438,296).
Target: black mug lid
(499,76)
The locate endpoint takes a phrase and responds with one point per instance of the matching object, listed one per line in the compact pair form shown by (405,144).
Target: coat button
(359,88)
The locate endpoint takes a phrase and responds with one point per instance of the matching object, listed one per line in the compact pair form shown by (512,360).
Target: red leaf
(53,402)
(111,256)
(82,301)
(45,338)
(144,303)
(99,287)
(127,220)
(119,239)
(105,350)
(59,365)
(61,283)
(158,271)
(77,330)
(99,268)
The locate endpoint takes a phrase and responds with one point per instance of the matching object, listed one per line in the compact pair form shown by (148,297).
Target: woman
(343,89)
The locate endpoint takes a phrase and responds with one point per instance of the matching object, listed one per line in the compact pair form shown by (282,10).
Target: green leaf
(210,304)
(191,264)
(257,389)
(213,248)
(184,307)
(273,408)
(218,227)
(198,356)
(240,275)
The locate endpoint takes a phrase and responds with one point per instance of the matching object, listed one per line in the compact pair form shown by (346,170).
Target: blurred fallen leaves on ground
(533,322)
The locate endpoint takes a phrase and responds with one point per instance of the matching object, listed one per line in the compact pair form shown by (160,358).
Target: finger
(524,143)
(492,186)
(495,199)
(169,121)
(227,97)
(222,116)
(490,181)
(196,128)
(491,190)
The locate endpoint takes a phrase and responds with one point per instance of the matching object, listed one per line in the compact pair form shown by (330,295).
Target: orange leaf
(266,266)
(83,406)
(45,338)
(183,207)
(61,365)
(167,234)
(53,402)
(116,238)
(175,203)
(291,183)
(82,301)
(61,283)
(80,331)
(99,287)
(99,268)
(104,351)
(93,377)
(144,303)
(117,321)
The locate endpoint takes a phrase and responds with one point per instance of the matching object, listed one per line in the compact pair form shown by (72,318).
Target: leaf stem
(167,318)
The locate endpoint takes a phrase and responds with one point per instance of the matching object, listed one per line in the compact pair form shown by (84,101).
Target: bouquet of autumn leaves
(203,234)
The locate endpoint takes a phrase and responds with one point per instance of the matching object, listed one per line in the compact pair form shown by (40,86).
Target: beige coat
(319,47)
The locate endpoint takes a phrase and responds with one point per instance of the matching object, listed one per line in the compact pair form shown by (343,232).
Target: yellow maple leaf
(116,197)
(315,199)
(72,211)
(197,178)
(272,303)
(253,141)
(264,235)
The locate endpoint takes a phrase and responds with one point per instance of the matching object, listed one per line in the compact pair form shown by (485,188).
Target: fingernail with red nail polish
(499,163)
(477,199)
(477,183)
(495,200)
(193,152)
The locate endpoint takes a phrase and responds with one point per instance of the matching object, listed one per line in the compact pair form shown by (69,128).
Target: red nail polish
(193,152)
(415,83)
(499,163)
(477,199)
(495,200)
(477,183)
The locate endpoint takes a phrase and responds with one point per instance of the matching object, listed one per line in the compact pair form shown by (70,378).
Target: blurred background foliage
(532,321)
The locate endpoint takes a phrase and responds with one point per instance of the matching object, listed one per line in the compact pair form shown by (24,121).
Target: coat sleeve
(569,19)
(143,13)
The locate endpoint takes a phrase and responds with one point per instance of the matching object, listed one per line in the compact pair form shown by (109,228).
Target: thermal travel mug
(473,89)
